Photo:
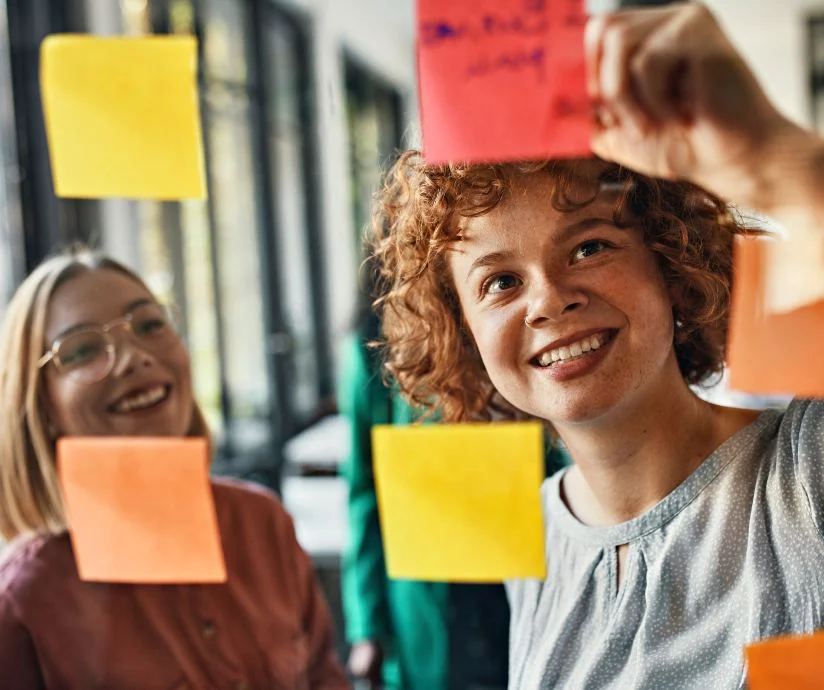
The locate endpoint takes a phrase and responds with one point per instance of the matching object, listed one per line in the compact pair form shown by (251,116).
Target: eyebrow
(86,324)
(493,258)
(580,226)
(489,259)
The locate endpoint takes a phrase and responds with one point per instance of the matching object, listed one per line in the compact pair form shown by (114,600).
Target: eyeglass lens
(90,354)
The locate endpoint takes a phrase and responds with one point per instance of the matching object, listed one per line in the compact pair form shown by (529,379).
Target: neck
(631,459)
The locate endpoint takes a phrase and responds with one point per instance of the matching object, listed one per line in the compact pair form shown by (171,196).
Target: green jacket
(410,618)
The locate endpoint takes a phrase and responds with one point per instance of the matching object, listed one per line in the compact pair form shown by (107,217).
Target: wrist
(784,173)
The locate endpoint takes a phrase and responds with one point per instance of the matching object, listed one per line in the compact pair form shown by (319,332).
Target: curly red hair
(428,348)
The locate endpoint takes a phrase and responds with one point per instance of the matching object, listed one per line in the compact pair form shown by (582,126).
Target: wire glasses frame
(90,353)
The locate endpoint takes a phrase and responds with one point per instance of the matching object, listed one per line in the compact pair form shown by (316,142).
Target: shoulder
(801,427)
(30,560)
(240,494)
(248,506)
(805,415)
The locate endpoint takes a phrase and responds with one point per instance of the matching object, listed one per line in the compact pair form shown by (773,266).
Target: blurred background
(304,103)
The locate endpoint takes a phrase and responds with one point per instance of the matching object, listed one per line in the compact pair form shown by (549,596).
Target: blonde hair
(30,498)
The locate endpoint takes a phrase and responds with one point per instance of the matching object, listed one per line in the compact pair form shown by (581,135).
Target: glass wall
(243,266)
(11,223)
(375,112)
(815,50)
(286,137)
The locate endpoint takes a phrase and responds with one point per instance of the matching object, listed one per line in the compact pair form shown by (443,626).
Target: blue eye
(590,248)
(500,283)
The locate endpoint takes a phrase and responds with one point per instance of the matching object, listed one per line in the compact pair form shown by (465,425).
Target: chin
(570,411)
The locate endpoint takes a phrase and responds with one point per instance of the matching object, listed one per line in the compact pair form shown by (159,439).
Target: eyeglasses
(89,354)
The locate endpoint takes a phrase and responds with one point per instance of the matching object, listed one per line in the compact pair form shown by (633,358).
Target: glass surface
(226,40)
(232,188)
(286,136)
(11,222)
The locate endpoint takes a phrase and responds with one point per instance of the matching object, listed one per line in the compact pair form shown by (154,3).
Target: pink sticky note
(502,80)
(141,509)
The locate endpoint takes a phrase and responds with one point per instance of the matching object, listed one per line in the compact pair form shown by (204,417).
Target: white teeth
(565,352)
(142,400)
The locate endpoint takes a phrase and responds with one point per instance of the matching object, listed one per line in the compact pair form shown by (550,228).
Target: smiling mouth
(152,397)
(572,351)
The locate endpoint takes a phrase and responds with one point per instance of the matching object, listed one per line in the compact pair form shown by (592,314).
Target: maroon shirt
(267,627)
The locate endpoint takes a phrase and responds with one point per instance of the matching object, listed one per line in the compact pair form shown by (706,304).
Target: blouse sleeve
(802,436)
(19,666)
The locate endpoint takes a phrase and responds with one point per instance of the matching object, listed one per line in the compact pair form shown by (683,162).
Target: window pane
(817,38)
(232,188)
(225,52)
(373,112)
(200,317)
(11,222)
(295,278)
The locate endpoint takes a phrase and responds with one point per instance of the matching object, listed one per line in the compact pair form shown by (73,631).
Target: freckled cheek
(497,337)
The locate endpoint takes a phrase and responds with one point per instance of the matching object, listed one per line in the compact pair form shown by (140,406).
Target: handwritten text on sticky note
(502,79)
(461,502)
(141,509)
(122,116)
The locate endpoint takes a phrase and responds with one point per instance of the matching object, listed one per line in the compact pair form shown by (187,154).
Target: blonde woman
(88,350)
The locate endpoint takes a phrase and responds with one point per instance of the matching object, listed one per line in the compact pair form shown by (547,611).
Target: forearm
(787,184)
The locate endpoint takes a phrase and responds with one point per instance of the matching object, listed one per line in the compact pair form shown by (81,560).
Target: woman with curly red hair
(594,296)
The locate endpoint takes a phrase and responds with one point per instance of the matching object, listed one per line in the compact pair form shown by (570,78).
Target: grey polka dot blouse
(733,555)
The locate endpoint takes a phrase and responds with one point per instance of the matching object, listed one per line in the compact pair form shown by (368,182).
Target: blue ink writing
(512,62)
(439,31)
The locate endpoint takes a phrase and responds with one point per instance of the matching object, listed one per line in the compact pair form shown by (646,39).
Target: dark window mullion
(313,210)
(280,409)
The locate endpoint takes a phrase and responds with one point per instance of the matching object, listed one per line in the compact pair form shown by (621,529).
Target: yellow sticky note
(122,116)
(461,502)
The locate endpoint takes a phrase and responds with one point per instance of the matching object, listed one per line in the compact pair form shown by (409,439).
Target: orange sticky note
(461,502)
(141,509)
(502,80)
(786,663)
(122,116)
(771,353)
